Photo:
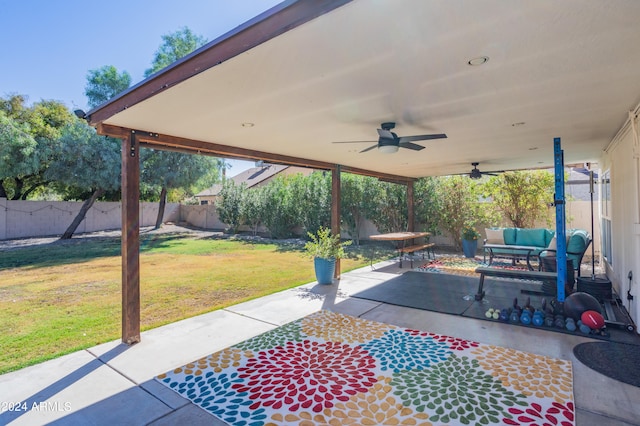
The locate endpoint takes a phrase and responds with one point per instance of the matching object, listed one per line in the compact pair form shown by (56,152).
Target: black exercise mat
(445,293)
(431,292)
(502,293)
(619,361)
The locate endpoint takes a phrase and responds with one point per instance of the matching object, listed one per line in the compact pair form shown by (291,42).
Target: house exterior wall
(210,199)
(622,160)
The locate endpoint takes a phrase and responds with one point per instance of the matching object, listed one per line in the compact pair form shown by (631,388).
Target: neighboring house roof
(250,177)
(210,192)
(253,176)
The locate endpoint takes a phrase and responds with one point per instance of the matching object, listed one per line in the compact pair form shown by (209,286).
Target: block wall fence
(25,219)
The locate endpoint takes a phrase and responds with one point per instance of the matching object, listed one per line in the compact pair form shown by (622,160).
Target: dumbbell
(538,318)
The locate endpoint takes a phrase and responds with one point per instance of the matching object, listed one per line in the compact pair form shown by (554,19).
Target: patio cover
(286,85)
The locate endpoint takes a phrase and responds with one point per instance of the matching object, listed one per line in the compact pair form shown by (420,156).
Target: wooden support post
(130,240)
(411,223)
(335,209)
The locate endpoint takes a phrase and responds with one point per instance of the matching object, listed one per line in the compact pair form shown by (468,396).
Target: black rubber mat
(446,293)
(619,361)
(431,292)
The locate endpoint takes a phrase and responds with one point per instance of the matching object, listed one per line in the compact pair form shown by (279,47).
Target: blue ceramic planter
(325,269)
(469,247)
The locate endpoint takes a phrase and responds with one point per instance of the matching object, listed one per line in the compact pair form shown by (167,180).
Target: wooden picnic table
(401,238)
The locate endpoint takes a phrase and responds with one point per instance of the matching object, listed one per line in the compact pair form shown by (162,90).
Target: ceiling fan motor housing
(475,174)
(388,141)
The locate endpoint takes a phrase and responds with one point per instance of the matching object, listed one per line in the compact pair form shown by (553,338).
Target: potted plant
(469,241)
(325,248)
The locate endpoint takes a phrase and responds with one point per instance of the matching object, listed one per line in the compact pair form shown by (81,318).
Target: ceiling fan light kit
(388,149)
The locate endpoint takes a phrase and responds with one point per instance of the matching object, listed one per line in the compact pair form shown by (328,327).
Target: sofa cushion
(548,236)
(531,237)
(494,236)
(509,235)
(577,241)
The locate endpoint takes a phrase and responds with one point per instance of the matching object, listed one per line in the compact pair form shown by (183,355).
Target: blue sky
(48,46)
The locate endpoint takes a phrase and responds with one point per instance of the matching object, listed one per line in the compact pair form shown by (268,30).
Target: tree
(312,195)
(43,121)
(391,211)
(171,170)
(105,83)
(359,197)
(174,46)
(18,148)
(459,205)
(229,204)
(88,162)
(251,208)
(165,170)
(426,203)
(522,196)
(281,212)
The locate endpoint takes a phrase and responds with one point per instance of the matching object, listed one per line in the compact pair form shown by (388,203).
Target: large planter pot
(469,248)
(325,270)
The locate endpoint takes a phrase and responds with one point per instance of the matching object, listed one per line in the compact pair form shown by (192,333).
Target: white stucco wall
(622,159)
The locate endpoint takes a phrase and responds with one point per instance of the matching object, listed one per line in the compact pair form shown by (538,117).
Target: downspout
(633,116)
(636,156)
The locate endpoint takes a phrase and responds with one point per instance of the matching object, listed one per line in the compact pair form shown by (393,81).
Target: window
(204,202)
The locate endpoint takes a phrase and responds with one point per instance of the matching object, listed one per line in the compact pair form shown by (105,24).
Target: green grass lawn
(62,297)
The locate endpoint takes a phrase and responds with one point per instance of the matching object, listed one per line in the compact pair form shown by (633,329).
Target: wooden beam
(335,209)
(190,146)
(130,239)
(411,222)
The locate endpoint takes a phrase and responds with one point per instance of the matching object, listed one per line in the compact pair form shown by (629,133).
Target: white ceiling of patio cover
(568,69)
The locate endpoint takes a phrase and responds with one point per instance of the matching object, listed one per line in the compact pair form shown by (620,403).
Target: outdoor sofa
(540,243)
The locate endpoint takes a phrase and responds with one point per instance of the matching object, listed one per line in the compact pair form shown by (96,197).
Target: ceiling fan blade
(410,145)
(386,134)
(422,137)
(369,149)
(355,142)
(489,174)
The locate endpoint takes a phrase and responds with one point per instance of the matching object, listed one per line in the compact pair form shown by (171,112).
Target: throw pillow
(494,236)
(552,244)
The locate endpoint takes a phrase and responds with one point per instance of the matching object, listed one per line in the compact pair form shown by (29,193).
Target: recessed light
(480,60)
(248,124)
(519,123)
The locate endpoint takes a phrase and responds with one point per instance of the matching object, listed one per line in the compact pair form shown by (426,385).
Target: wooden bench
(414,248)
(511,273)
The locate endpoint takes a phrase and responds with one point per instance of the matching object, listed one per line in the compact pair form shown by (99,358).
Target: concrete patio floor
(114,384)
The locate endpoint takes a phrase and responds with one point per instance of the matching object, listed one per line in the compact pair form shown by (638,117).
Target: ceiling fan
(477,174)
(389,142)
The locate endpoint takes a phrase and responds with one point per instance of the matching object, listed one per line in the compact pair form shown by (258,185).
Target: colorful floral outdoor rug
(333,369)
(459,265)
